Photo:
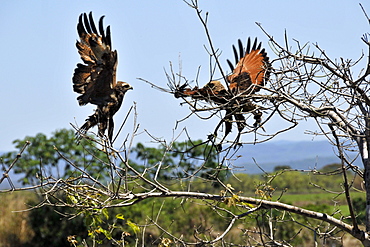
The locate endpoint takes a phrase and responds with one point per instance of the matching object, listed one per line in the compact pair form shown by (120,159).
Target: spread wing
(96,78)
(251,68)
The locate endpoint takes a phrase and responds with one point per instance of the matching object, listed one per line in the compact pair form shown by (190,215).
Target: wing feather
(241,51)
(230,64)
(101,28)
(236,55)
(81,30)
(108,37)
(87,24)
(94,80)
(251,69)
(92,23)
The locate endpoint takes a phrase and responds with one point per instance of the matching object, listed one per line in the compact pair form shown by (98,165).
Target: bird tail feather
(91,121)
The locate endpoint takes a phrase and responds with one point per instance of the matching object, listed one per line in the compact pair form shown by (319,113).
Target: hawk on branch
(95,80)
(250,73)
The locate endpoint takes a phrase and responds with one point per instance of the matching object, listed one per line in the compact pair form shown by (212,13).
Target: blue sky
(38,55)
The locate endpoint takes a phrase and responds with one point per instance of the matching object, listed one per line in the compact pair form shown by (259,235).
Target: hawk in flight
(95,80)
(250,73)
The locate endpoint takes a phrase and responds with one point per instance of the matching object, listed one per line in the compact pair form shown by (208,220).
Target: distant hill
(296,154)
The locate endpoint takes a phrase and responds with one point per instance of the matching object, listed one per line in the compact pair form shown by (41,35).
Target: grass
(328,202)
(317,198)
(14,227)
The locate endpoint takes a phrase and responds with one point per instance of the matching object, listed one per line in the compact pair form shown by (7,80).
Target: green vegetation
(43,152)
(64,226)
(169,213)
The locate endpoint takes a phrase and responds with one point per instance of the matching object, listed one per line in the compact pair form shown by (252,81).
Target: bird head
(215,86)
(123,86)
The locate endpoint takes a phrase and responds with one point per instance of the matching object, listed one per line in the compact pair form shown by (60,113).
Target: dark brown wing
(96,79)
(251,68)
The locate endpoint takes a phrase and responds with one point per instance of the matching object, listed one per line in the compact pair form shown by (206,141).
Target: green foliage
(106,226)
(284,181)
(42,156)
(360,209)
(179,216)
(197,160)
(52,226)
(181,160)
(288,182)
(182,217)
(282,167)
(331,167)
